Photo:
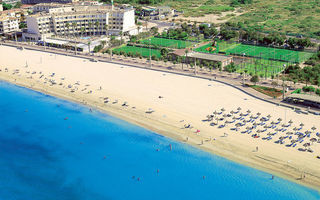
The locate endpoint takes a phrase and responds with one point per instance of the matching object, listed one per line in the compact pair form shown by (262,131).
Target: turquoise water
(54,149)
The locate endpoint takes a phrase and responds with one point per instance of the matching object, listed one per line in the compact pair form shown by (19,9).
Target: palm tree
(89,47)
(103,43)
(139,27)
(90,26)
(67,26)
(97,25)
(82,31)
(121,35)
(74,25)
(186,51)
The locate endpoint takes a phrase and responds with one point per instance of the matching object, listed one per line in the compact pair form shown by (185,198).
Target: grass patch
(144,52)
(164,42)
(272,92)
(267,53)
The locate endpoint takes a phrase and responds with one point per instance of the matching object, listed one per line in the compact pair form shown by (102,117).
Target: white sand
(184,98)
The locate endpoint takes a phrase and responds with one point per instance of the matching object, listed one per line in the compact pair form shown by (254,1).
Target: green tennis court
(258,52)
(262,67)
(144,52)
(164,42)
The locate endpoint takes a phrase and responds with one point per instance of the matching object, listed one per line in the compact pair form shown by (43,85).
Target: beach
(172,105)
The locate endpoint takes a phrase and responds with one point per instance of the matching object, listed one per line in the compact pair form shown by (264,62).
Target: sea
(53,149)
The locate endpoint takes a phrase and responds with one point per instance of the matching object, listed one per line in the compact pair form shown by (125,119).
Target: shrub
(254,79)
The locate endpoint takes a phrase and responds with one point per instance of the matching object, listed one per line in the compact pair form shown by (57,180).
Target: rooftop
(203,56)
(307,97)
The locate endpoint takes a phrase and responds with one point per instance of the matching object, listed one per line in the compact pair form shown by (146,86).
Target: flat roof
(55,41)
(208,56)
(307,97)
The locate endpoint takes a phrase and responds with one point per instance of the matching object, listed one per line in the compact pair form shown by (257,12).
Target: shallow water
(55,149)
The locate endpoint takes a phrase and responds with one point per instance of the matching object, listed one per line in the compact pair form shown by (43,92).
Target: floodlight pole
(150,52)
(242,68)
(284,67)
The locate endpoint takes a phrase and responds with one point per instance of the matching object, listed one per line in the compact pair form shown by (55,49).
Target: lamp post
(242,68)
(150,52)
(284,67)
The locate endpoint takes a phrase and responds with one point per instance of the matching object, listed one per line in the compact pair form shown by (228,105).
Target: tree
(67,26)
(6,6)
(82,30)
(74,25)
(274,84)
(103,43)
(254,79)
(164,52)
(97,25)
(90,27)
(18,5)
(89,43)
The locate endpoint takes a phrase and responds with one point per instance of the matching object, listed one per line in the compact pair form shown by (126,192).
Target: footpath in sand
(179,107)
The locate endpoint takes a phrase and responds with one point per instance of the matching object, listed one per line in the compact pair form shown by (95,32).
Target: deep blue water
(93,156)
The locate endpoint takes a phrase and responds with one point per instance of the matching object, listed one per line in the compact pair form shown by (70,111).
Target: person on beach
(257,148)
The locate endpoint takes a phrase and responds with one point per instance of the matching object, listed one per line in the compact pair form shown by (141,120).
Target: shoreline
(167,133)
(162,126)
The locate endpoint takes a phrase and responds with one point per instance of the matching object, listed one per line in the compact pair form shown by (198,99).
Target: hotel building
(78,20)
(47,1)
(8,24)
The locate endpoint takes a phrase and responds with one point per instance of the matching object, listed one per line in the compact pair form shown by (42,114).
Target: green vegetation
(262,67)
(6,6)
(308,74)
(292,17)
(258,52)
(138,51)
(289,17)
(163,42)
(272,92)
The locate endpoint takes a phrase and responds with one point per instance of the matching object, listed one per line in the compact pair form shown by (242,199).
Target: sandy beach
(175,106)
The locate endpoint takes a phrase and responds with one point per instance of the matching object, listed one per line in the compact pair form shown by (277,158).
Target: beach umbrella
(248,111)
(313,140)
(290,121)
(279,119)
(293,141)
(231,112)
(215,112)
(225,115)
(289,133)
(258,114)
(313,128)
(222,109)
(248,127)
(251,116)
(306,144)
(272,122)
(269,116)
(301,124)
(238,108)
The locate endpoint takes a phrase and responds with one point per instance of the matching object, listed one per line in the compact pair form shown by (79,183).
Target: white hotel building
(8,24)
(78,20)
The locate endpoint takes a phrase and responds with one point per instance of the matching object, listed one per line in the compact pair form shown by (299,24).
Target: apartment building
(52,8)
(66,24)
(79,20)
(8,24)
(47,1)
